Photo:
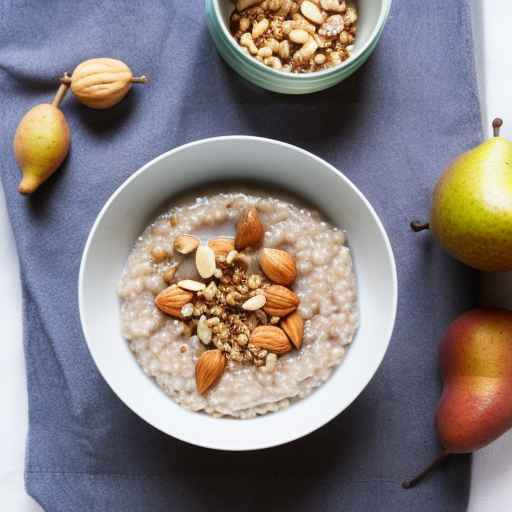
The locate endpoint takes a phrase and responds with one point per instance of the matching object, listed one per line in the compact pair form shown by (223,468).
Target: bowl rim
(383,15)
(299,432)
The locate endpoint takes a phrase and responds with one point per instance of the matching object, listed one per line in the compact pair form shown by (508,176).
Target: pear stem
(139,80)
(407,484)
(496,125)
(61,92)
(66,79)
(417,225)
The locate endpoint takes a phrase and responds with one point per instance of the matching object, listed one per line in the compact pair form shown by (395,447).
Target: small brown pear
(41,143)
(475,408)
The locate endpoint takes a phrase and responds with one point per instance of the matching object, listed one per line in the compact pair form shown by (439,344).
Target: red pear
(475,408)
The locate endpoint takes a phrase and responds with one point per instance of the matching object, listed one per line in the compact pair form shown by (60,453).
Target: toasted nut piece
(254,281)
(311,11)
(301,24)
(244,24)
(293,326)
(345,38)
(280,300)
(259,28)
(191,285)
(332,26)
(254,303)
(249,230)
(209,369)
(265,52)
(333,5)
(285,8)
(246,40)
(319,59)
(222,246)
(169,274)
(273,62)
(273,44)
(210,291)
(172,299)
(204,333)
(278,266)
(350,15)
(284,49)
(205,261)
(271,338)
(185,244)
(298,36)
(306,52)
(187,310)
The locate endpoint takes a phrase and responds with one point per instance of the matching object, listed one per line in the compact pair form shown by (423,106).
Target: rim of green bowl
(352,61)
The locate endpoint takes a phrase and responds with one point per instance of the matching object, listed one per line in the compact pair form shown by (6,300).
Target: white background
(491,484)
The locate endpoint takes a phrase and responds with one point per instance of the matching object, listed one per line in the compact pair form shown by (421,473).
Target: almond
(280,301)
(191,285)
(185,244)
(254,303)
(209,369)
(222,246)
(271,338)
(205,261)
(204,333)
(249,230)
(278,266)
(311,11)
(172,299)
(293,326)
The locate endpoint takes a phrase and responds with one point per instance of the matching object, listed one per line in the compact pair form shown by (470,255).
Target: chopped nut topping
(187,310)
(227,306)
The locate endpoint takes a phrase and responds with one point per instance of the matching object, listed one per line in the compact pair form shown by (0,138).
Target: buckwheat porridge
(239,303)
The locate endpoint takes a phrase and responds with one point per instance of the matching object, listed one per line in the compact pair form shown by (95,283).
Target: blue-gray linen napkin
(391,128)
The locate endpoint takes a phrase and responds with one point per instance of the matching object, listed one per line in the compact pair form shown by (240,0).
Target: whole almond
(278,266)
(191,285)
(205,261)
(293,326)
(280,301)
(271,338)
(172,299)
(209,369)
(222,246)
(185,244)
(249,230)
(254,303)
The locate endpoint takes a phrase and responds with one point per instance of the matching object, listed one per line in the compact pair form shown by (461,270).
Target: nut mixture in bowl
(239,304)
(298,36)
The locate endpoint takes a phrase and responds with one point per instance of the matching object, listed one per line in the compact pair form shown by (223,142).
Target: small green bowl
(372,18)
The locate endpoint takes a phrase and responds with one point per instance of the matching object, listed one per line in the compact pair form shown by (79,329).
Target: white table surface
(491,483)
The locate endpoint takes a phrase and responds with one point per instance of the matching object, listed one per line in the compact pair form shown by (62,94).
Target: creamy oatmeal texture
(168,350)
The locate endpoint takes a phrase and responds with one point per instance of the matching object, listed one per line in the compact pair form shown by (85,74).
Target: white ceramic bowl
(130,210)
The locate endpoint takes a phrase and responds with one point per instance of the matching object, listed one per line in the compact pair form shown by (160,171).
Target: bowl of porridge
(296,46)
(237,293)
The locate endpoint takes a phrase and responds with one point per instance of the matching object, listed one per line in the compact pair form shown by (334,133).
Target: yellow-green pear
(472,206)
(41,143)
